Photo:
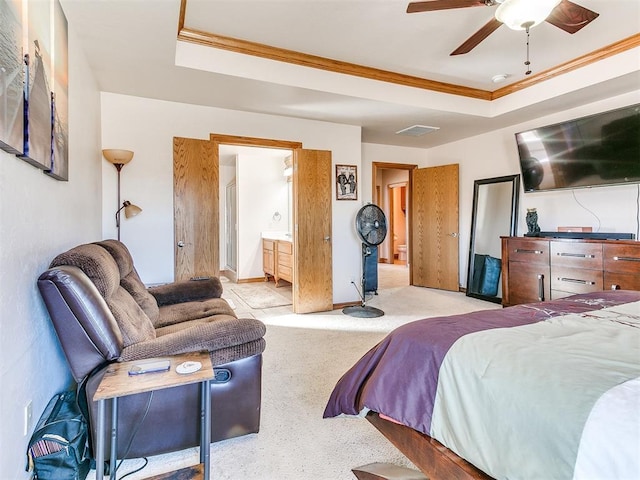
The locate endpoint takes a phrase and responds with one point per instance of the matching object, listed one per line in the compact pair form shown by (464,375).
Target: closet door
(435,256)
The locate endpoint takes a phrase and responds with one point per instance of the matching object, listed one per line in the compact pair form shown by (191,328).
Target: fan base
(362,311)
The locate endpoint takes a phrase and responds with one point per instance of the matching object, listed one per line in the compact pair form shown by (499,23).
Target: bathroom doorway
(397,193)
(392,187)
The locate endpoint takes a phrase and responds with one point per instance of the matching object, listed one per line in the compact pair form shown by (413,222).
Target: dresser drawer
(575,280)
(576,255)
(285,273)
(529,251)
(284,259)
(622,258)
(528,283)
(285,247)
(268,244)
(621,281)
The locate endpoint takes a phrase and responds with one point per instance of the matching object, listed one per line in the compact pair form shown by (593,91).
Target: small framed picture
(346,182)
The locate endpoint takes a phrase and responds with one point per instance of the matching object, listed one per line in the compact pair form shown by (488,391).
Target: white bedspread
(610,443)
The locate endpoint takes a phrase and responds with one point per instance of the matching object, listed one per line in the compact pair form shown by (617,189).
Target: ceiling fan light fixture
(523,14)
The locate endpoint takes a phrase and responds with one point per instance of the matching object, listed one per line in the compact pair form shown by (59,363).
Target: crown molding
(245,47)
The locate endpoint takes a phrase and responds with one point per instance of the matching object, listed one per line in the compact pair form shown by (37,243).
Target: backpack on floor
(58,448)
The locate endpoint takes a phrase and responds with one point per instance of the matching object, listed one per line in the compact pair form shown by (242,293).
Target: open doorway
(256,210)
(197,215)
(258,202)
(392,187)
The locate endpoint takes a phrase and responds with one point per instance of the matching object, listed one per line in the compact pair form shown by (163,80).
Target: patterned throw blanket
(509,390)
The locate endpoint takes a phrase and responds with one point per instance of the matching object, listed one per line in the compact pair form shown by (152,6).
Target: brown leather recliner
(103,313)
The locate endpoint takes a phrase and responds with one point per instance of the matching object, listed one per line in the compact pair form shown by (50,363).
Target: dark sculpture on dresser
(532,221)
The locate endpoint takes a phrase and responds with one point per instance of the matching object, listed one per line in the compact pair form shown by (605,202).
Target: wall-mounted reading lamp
(119,158)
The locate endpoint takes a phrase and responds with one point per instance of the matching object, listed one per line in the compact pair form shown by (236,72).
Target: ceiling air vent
(417,130)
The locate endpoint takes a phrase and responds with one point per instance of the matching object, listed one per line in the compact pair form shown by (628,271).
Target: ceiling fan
(564,14)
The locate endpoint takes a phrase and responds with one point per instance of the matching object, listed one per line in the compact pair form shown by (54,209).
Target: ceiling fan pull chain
(528,63)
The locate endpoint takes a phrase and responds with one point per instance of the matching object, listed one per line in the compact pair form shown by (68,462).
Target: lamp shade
(117,156)
(523,14)
(130,210)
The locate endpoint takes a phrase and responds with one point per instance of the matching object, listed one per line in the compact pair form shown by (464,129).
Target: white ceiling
(131,45)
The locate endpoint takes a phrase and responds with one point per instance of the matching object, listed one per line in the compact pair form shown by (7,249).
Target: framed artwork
(346,182)
(37,85)
(59,164)
(11,77)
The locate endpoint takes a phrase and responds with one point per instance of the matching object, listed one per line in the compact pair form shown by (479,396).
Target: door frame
(222,139)
(410,167)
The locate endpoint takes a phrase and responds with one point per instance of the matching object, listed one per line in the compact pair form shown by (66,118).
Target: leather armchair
(102,313)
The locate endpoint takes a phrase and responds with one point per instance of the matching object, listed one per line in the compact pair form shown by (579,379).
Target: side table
(118,383)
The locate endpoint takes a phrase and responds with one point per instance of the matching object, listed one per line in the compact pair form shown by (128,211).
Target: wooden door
(196,208)
(312,193)
(434,219)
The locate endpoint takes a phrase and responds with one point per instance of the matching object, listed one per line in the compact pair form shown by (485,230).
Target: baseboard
(340,306)
(250,280)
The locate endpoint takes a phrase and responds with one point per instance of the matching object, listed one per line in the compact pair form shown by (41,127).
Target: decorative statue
(532,220)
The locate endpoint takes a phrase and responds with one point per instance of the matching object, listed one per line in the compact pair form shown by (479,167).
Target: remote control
(150,367)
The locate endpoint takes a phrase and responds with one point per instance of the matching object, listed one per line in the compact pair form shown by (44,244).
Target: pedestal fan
(371,225)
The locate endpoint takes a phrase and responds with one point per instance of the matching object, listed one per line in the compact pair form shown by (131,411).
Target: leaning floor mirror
(494,214)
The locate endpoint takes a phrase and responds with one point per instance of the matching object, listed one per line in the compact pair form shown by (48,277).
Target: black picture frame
(346,182)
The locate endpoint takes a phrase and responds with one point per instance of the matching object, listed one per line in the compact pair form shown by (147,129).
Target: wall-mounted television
(598,150)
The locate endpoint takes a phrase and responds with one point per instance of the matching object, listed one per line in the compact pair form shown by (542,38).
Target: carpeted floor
(305,356)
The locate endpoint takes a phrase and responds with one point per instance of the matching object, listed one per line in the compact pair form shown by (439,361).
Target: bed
(537,391)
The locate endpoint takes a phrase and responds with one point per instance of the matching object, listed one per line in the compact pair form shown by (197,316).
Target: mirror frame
(515,195)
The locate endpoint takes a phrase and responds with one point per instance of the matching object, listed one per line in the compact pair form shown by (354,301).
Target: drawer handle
(578,255)
(575,280)
(522,250)
(627,259)
(541,287)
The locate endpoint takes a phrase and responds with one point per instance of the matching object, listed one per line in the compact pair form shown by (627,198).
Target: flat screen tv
(601,149)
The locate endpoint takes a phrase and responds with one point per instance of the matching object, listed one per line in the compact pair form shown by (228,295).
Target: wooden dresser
(535,269)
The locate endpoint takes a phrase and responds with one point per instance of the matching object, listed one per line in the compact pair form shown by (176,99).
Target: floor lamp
(119,158)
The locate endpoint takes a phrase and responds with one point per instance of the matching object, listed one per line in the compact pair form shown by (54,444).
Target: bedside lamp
(119,158)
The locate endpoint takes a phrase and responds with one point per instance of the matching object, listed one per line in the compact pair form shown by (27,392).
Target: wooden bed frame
(432,458)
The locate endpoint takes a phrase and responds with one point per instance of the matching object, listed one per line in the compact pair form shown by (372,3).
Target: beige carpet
(304,358)
(259,295)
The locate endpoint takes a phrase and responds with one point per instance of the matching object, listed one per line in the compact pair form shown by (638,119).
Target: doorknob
(327,238)
(181,244)
(454,234)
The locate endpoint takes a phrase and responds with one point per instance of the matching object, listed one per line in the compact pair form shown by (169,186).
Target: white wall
(148,126)
(387,154)
(495,154)
(39,218)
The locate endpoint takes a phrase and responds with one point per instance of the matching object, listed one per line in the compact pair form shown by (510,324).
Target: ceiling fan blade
(571,17)
(432,5)
(473,41)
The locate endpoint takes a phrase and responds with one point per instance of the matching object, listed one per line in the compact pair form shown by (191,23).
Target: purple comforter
(399,376)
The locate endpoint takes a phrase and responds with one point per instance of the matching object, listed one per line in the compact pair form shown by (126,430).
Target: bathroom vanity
(277,257)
